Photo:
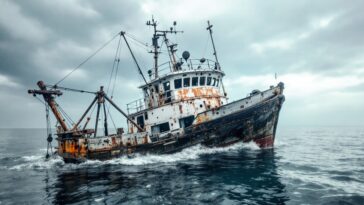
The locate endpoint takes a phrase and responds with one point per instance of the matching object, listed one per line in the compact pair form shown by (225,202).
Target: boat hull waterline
(257,123)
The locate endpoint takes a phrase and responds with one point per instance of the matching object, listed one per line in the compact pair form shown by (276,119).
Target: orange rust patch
(185,94)
(145,139)
(201,118)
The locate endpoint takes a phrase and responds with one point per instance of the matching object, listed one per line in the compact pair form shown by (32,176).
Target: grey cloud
(43,39)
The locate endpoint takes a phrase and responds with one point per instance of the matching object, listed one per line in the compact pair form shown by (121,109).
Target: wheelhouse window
(167,92)
(140,121)
(195,81)
(202,81)
(166,86)
(186,121)
(217,82)
(156,87)
(186,82)
(213,81)
(177,83)
(208,81)
(164,127)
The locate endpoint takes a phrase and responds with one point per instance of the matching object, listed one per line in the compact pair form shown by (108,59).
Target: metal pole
(105,121)
(47,95)
(97,117)
(209,26)
(155,45)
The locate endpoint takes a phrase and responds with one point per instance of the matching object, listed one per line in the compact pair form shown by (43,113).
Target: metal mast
(155,45)
(171,49)
(209,26)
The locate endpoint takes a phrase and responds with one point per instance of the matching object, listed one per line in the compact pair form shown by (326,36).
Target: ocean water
(319,165)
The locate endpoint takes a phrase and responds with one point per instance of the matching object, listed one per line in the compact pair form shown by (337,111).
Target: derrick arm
(48,96)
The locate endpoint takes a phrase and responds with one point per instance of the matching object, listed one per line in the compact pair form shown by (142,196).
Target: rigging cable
(88,58)
(113,89)
(144,45)
(69,89)
(49,129)
(49,132)
(70,123)
(116,72)
(112,79)
(113,66)
(112,120)
(135,61)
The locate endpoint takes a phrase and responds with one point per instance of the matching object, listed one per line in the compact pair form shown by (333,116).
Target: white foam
(38,162)
(99,199)
(190,153)
(33,158)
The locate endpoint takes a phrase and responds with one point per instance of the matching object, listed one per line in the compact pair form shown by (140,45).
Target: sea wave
(39,162)
(190,153)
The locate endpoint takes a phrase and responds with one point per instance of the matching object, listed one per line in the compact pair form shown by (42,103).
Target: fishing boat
(184,104)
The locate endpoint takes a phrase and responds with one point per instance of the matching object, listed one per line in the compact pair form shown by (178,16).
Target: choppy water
(307,166)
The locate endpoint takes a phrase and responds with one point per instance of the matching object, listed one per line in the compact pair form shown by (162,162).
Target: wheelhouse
(173,100)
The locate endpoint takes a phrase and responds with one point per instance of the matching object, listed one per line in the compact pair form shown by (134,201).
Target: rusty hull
(255,123)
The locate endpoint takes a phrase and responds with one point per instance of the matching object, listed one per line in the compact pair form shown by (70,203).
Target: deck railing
(165,69)
(190,64)
(136,105)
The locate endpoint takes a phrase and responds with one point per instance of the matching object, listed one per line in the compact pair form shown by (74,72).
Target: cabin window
(195,81)
(177,83)
(202,81)
(166,86)
(208,81)
(214,82)
(186,121)
(164,127)
(140,121)
(186,82)
(146,115)
(167,92)
(156,87)
(217,82)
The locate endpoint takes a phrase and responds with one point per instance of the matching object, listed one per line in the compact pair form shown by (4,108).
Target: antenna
(209,26)
(217,64)
(155,45)
(170,48)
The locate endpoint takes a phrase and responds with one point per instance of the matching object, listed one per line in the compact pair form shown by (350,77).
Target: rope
(116,69)
(88,58)
(48,127)
(66,116)
(145,45)
(116,74)
(69,89)
(49,131)
(113,66)
(109,114)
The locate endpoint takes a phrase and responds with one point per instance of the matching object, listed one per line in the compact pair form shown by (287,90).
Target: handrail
(191,64)
(136,105)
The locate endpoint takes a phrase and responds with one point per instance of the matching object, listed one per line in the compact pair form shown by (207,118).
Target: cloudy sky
(315,47)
